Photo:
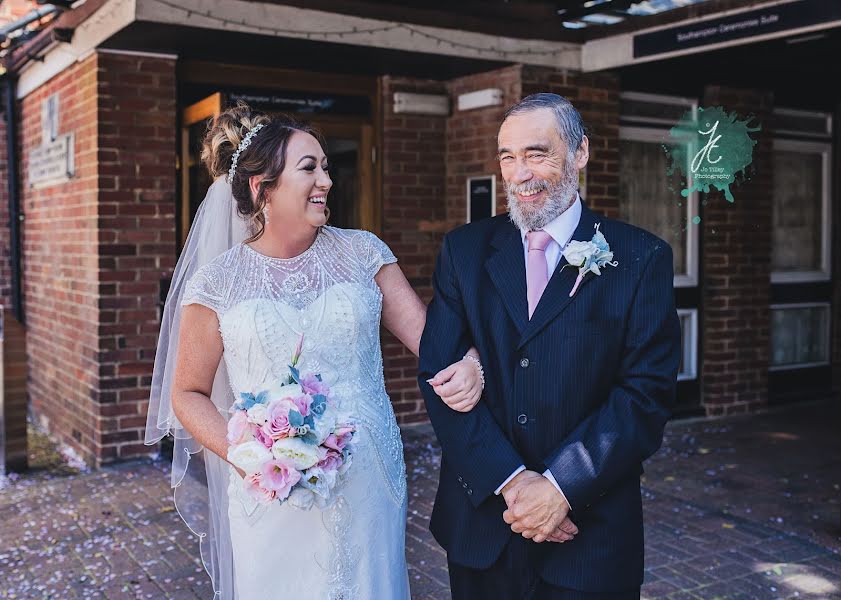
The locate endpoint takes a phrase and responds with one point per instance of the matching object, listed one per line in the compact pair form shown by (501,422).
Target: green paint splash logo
(710,148)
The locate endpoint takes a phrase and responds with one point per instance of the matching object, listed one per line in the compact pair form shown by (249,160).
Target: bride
(261,270)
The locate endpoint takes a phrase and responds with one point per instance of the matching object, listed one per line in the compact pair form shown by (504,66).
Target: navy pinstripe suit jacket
(583,388)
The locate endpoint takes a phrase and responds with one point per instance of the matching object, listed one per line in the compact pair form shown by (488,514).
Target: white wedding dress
(354,549)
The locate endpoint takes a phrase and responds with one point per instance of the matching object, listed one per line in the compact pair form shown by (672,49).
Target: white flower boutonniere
(588,256)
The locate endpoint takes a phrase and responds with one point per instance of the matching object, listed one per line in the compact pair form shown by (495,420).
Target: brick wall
(596,96)
(136,244)
(472,138)
(96,249)
(736,274)
(61,265)
(414,208)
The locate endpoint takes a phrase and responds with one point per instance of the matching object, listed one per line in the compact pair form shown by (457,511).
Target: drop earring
(266,215)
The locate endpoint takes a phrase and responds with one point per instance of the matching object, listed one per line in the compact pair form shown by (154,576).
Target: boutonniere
(588,256)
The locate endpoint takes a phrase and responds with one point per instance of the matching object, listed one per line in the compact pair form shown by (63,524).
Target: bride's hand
(459,385)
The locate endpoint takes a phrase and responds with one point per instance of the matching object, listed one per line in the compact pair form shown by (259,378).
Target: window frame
(689,344)
(796,305)
(691,203)
(825,271)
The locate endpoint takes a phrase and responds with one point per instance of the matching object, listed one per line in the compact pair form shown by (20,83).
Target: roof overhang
(103,19)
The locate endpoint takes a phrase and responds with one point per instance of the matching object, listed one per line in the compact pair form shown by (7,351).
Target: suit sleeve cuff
(548,475)
(510,477)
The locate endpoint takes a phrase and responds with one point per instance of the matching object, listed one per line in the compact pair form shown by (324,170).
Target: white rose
(324,481)
(324,426)
(290,390)
(257,414)
(249,456)
(303,455)
(301,498)
(577,252)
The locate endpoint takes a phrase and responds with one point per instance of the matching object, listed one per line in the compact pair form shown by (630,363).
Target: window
(646,198)
(689,342)
(800,335)
(801,211)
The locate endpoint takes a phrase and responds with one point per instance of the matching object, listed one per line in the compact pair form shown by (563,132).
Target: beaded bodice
(329,295)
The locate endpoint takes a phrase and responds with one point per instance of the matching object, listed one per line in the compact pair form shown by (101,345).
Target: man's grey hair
(570,124)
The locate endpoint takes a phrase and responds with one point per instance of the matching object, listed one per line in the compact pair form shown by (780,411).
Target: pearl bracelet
(478,364)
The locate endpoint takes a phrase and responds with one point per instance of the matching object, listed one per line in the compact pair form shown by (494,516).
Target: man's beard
(559,197)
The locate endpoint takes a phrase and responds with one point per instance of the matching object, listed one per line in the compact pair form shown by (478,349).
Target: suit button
(470,492)
(464,485)
(460,480)
(522,419)
(524,362)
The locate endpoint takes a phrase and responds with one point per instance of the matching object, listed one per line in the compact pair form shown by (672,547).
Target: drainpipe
(15,215)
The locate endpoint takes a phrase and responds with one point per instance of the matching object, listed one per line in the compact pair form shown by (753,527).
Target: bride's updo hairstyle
(265,155)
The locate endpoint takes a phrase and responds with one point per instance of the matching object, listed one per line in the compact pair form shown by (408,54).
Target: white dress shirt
(561,229)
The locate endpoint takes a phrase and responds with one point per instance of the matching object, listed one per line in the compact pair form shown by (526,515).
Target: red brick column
(736,274)
(60,264)
(96,249)
(414,172)
(136,238)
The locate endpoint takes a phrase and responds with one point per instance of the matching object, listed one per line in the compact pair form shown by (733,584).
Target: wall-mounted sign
(421,104)
(52,162)
(302,102)
(481,197)
(747,24)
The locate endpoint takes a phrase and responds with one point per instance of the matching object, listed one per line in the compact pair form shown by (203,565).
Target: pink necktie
(537,269)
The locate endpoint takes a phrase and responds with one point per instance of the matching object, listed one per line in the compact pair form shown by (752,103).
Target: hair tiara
(245,143)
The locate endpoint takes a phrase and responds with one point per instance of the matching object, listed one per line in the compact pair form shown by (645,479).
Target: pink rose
(238,428)
(254,487)
(264,438)
(312,386)
(331,462)
(339,438)
(303,402)
(280,477)
(277,426)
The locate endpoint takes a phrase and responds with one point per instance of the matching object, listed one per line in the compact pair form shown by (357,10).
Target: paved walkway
(737,508)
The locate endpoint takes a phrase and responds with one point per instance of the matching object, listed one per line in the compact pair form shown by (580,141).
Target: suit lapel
(555,298)
(507,270)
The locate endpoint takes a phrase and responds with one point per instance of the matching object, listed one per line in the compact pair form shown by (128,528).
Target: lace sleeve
(207,287)
(379,254)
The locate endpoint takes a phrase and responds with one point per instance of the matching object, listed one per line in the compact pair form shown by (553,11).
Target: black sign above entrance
(302,102)
(751,23)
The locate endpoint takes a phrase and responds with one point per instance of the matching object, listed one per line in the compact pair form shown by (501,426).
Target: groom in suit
(539,492)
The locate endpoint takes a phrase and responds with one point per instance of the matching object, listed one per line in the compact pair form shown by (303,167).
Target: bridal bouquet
(290,440)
